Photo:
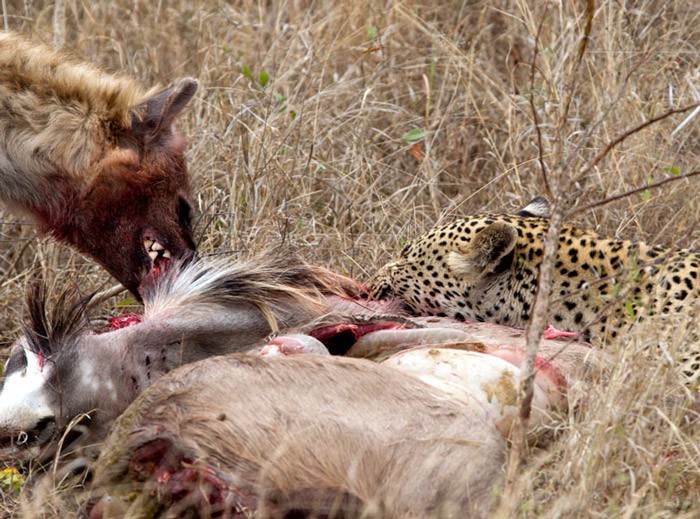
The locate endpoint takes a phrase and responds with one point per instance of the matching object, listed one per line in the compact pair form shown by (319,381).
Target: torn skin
(551,371)
(124,321)
(339,338)
(174,479)
(357,330)
(544,369)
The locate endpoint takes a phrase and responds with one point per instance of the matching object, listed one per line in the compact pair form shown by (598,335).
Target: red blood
(200,486)
(326,332)
(545,367)
(554,374)
(124,321)
(552,333)
(160,265)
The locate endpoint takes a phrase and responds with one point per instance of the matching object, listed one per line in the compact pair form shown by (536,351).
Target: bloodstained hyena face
(138,216)
(135,214)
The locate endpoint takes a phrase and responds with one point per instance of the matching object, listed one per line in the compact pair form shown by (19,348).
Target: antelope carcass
(297,436)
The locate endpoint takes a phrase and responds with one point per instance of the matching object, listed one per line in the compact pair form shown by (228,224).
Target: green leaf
(415,135)
(126,302)
(673,170)
(11,479)
(264,79)
(279,98)
(630,309)
(372,32)
(646,195)
(247,73)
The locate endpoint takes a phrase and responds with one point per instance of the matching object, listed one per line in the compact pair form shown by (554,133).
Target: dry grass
(317,160)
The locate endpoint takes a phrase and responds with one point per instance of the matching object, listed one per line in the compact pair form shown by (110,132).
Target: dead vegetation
(341,129)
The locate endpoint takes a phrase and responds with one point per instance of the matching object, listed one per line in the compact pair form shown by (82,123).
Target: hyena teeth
(147,243)
(153,254)
(166,254)
(157,246)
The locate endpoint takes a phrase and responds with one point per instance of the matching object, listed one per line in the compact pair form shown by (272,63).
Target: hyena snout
(137,241)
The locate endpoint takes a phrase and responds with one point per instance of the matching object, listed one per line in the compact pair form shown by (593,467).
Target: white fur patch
(23,399)
(90,378)
(94,381)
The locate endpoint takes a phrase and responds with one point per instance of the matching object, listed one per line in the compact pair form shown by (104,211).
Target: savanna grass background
(343,129)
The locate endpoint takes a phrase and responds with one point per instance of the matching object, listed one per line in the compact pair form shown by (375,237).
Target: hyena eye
(184,213)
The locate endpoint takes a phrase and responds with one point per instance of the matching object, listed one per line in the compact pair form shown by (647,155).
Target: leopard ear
(491,251)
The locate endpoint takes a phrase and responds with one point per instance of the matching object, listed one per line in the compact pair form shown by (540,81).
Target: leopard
(485,268)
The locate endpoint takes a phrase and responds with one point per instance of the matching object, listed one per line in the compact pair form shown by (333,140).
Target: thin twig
(685,122)
(591,129)
(59,23)
(631,192)
(5,24)
(623,136)
(583,45)
(533,334)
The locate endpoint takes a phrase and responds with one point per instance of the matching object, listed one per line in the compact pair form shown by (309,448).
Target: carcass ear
(152,120)
(538,206)
(490,252)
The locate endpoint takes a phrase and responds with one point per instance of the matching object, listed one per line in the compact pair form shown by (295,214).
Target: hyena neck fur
(58,121)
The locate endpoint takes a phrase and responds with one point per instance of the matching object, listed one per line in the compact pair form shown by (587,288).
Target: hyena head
(94,158)
(136,214)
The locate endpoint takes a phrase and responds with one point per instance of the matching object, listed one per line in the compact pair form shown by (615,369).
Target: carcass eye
(16,362)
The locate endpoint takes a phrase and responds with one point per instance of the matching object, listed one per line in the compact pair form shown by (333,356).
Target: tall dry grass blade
(612,144)
(59,23)
(533,109)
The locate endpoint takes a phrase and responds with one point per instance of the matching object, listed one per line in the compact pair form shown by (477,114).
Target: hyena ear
(489,252)
(152,120)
